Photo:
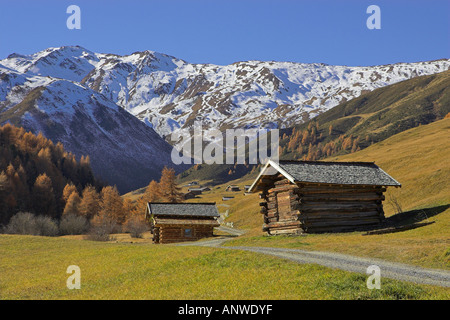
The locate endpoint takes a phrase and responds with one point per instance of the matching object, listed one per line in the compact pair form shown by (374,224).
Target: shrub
(46,226)
(27,223)
(101,229)
(21,223)
(136,227)
(73,224)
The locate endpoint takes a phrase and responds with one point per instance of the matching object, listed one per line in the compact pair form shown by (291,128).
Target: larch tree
(170,191)
(90,202)
(152,194)
(72,206)
(111,205)
(43,196)
(68,190)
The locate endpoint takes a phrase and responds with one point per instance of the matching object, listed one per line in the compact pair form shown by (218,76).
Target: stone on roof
(183,209)
(351,173)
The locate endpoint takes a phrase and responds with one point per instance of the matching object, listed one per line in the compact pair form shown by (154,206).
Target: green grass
(35,268)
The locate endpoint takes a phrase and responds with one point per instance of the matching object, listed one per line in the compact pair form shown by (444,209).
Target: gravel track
(391,270)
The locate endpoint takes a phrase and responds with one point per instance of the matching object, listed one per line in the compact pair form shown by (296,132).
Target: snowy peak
(123,150)
(168,93)
(69,62)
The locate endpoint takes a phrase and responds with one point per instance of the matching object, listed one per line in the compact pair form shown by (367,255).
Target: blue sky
(224,32)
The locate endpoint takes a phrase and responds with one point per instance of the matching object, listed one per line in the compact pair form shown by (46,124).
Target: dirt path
(391,270)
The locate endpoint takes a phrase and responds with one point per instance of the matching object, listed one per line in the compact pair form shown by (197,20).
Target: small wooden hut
(195,191)
(233,188)
(319,196)
(178,222)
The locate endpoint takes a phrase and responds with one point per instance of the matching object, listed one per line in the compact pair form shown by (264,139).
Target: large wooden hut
(319,196)
(177,222)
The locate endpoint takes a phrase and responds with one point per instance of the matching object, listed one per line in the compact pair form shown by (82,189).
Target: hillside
(168,93)
(373,117)
(122,149)
(352,125)
(34,172)
(418,159)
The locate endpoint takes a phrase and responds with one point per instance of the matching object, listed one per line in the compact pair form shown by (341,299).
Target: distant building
(188,195)
(232,188)
(193,183)
(198,190)
(178,222)
(227,198)
(195,191)
(319,196)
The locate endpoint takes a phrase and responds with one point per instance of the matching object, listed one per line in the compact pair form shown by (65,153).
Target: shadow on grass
(414,216)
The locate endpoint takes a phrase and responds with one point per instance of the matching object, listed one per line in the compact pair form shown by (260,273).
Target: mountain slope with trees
(123,150)
(351,126)
(34,173)
(371,118)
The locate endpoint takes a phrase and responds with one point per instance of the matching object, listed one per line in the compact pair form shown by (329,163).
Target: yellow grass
(419,160)
(35,268)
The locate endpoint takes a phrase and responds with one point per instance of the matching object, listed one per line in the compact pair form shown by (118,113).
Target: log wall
(292,209)
(175,233)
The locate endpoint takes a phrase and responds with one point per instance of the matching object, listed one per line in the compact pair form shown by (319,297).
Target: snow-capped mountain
(123,150)
(92,102)
(169,93)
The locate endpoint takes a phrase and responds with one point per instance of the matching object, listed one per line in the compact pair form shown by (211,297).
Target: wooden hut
(188,195)
(319,196)
(233,188)
(177,222)
(195,191)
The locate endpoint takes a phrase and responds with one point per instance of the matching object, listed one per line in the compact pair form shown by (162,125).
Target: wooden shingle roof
(342,173)
(183,209)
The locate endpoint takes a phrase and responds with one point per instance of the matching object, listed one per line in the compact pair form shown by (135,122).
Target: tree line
(312,143)
(34,172)
(42,178)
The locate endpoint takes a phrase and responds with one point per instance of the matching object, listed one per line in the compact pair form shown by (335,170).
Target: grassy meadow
(418,159)
(35,268)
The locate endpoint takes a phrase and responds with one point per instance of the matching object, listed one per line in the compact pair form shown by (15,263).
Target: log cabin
(233,188)
(178,222)
(318,196)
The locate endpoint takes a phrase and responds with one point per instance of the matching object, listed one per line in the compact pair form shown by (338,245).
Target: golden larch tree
(169,189)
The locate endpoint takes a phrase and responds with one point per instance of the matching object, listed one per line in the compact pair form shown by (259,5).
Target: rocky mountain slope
(92,102)
(122,149)
(352,125)
(169,93)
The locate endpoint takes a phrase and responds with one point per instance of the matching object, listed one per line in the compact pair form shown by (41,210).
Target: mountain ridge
(123,150)
(168,93)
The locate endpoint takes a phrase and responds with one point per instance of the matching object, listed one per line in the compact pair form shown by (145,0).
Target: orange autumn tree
(90,203)
(43,196)
(169,190)
(67,191)
(35,173)
(151,194)
(72,205)
(166,190)
(111,205)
